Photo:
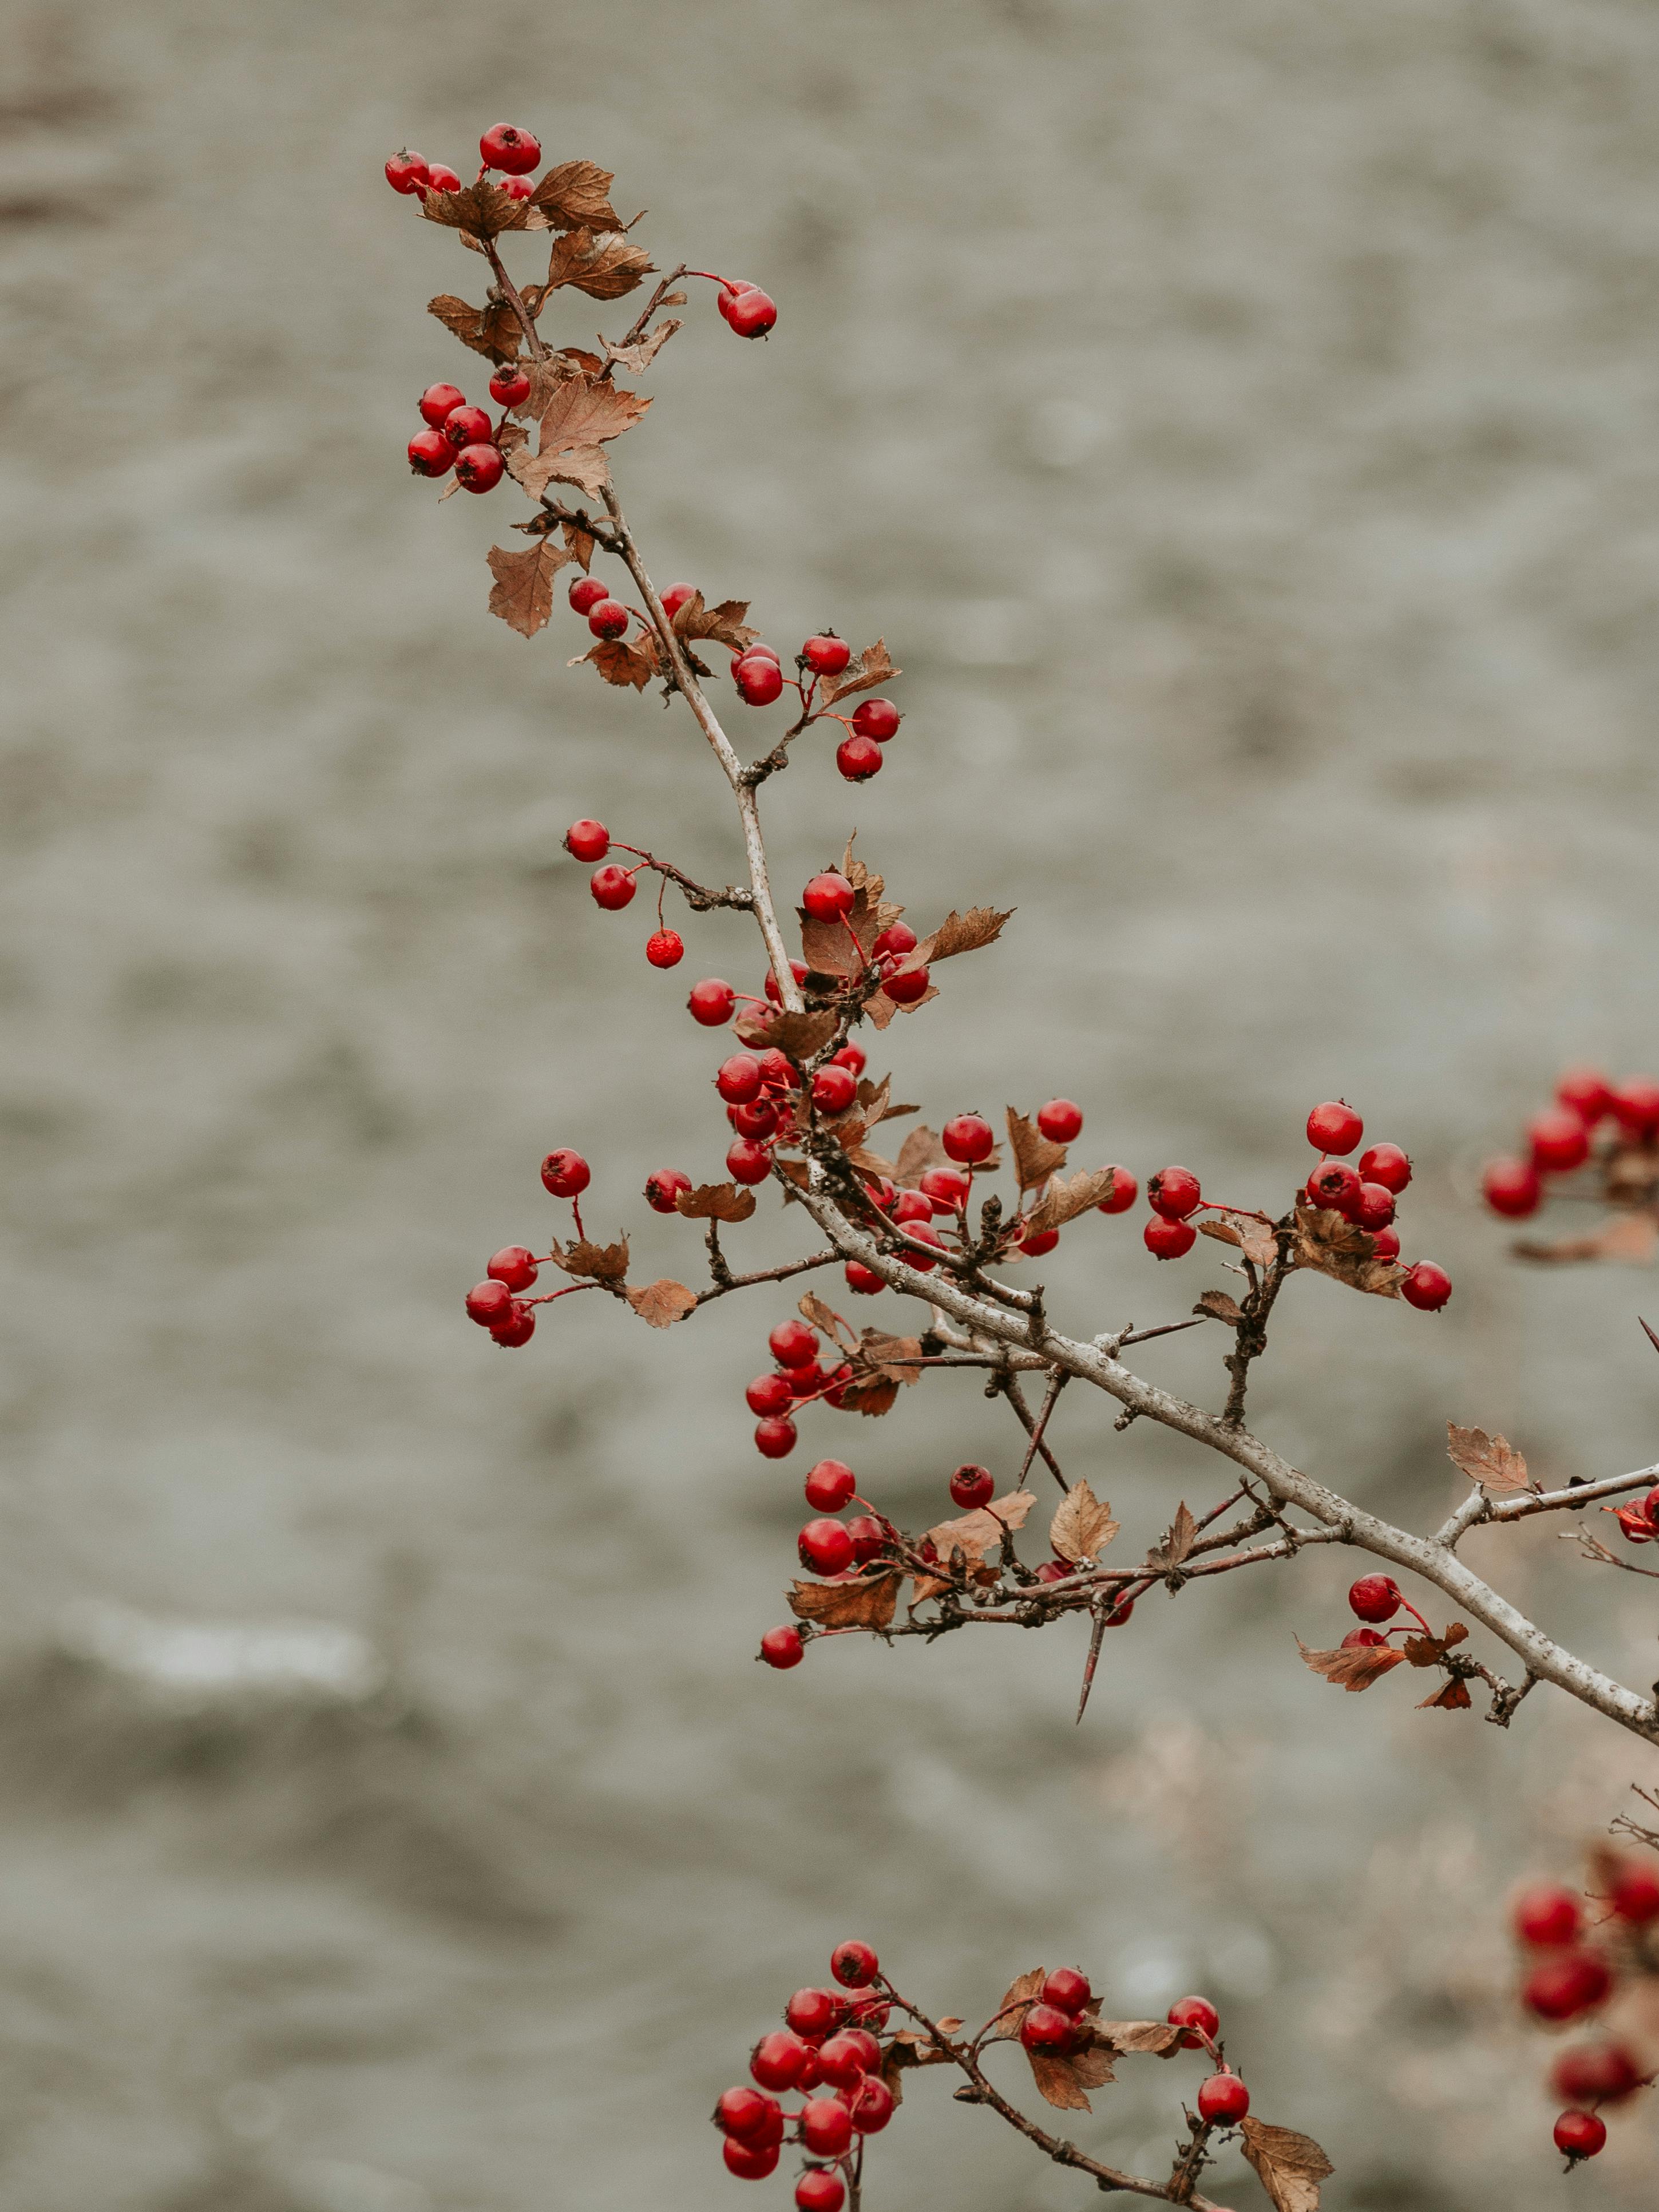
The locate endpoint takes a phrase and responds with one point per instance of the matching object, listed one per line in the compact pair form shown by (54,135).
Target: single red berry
(1066,1990)
(675,597)
(1362,1639)
(755,652)
(779,2059)
(829,1485)
(488,1302)
(850,1055)
(516,1327)
(1060,1121)
(750,2162)
(793,1344)
(566,1173)
(1586,1092)
(1335,1127)
(406,172)
(872,2103)
(798,969)
(1375,1598)
(1580,2135)
(1122,1613)
(1334,1185)
(1035,1241)
(504,146)
(665,948)
(876,718)
(441,177)
(1511,1187)
(430,453)
(925,1233)
(748,1162)
(608,619)
(509,385)
(1426,1287)
(759,680)
(739,1079)
(870,2012)
(1386,1164)
(1561,1988)
(439,401)
(818,2190)
(895,941)
(663,1186)
(1546,1916)
(1559,1141)
(711,1002)
(1635,1102)
(834,1089)
(1124,1191)
(1386,1242)
(826,2125)
(1169,1240)
(769,1394)
(1045,2028)
(853,1964)
(586,593)
(858,758)
(514,1264)
(1373,1209)
(775,1439)
(828,896)
(1223,2100)
(587,840)
(968,1138)
(1198,2016)
(759,1119)
(752,314)
(781,1648)
(869,1538)
(1595,2073)
(519,188)
(843,2059)
(826,654)
(478,468)
(745,2112)
(1635,1893)
(728,292)
(912,1206)
(467,426)
(1051,1570)
(1174,1193)
(909,985)
(612,887)
(863,1279)
(948,1189)
(815,2014)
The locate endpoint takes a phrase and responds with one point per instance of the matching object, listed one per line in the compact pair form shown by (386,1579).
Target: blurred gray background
(1240,419)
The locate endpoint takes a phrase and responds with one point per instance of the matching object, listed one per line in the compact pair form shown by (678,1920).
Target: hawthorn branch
(724,1280)
(1477,1507)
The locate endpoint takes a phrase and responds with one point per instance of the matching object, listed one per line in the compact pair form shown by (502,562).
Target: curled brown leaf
(1354,1668)
(522,594)
(1290,2167)
(715,1201)
(607,1263)
(1035,1159)
(866,1601)
(871,667)
(1341,1250)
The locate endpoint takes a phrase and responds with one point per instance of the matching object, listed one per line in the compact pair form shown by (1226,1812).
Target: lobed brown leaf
(1454,1699)
(603,265)
(1290,2167)
(1493,1462)
(897,1357)
(1255,1239)
(522,594)
(800,1035)
(715,1201)
(920,1150)
(1354,1669)
(1021,1995)
(973,1535)
(662,1303)
(579,543)
(1430,1651)
(492,330)
(867,1601)
(961,933)
(1083,1525)
(575,195)
(1341,1248)
(607,1263)
(483,209)
(871,667)
(1063,2081)
(725,624)
(827,1320)
(637,359)
(1035,1159)
(620,660)
(1220,1307)
(1127,2037)
(1169,1553)
(1063,1201)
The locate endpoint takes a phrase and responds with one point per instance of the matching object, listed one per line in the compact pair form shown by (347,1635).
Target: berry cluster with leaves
(951,1224)
(1597,1144)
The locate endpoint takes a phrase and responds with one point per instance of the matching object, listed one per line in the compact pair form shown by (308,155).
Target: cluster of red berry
(497,1303)
(461,437)
(1577,1968)
(1365,1194)
(1591,1120)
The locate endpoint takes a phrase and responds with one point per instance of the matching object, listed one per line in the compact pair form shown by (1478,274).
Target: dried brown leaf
(607,1263)
(1430,1651)
(584,466)
(725,624)
(637,359)
(866,1601)
(1082,1527)
(1290,2167)
(1454,1699)
(715,1201)
(897,1357)
(920,1150)
(574,195)
(828,1322)
(1063,1201)
(620,660)
(975,1534)
(522,594)
(872,1163)
(579,543)
(1126,2037)
(962,932)
(1021,1995)
(1493,1462)
(1063,2081)
(1035,1159)
(1169,1553)
(1341,1250)
(603,265)
(1356,1668)
(801,1035)
(871,667)
(662,1303)
(1255,1239)
(483,209)
(871,1395)
(492,330)
(1220,1307)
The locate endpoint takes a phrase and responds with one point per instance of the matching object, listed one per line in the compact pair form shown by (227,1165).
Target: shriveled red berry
(612,887)
(748,1162)
(1066,1988)
(1511,1187)
(1375,1597)
(1580,2135)
(750,2162)
(1386,1164)
(1374,1207)
(1562,1987)
(586,593)
(895,941)
(907,986)
(873,2104)
(781,1648)
(825,1547)
(1546,1916)
(439,401)
(1335,1127)
(1334,1185)
(441,177)
(1559,1141)
(1035,1241)
(774,1439)
(488,1302)
(752,314)
(1060,1121)
(467,426)
(566,1173)
(663,1186)
(826,2125)
(834,1089)
(759,680)
(1586,1092)
(505,146)
(1595,2073)
(1174,1193)
(947,1188)
(665,948)
(851,1055)
(1635,1102)
(1045,2028)
(853,1964)
(608,619)
(745,2112)
(1223,2100)
(826,654)
(1124,1191)
(1362,1639)
(858,758)
(509,385)
(711,1002)
(1634,1892)
(1198,2016)
(968,1138)
(829,1485)
(793,1344)
(1169,1240)
(1426,1287)
(876,718)
(406,172)
(430,453)
(769,1394)
(514,1264)
(863,1279)
(828,896)
(739,1079)
(515,1327)
(819,2189)
(478,467)
(675,597)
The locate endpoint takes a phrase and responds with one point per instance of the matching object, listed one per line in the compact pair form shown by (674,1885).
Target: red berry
(759,680)
(745,2112)
(509,385)
(869,1538)
(873,2106)
(1585,1092)
(924,1233)
(1559,1141)
(826,654)
(798,969)
(1198,2016)
(728,292)
(781,1648)
(467,426)
(438,401)
(739,1079)
(829,1485)
(748,1162)
(1511,1187)
(752,314)
(514,1264)
(1124,1189)
(909,985)
(662,1189)
(1546,1916)
(1169,1240)
(441,177)
(793,1344)
(488,1302)
(828,896)
(755,652)
(587,840)
(1060,1121)
(834,1089)
(711,1002)
(850,1055)
(1635,1102)
(769,1394)
(665,948)
(1595,2073)
(516,1327)
(858,758)
(1051,1570)
(827,1548)
(608,619)
(586,593)
(909,1206)
(675,597)
(876,718)
(1426,1287)
(968,1138)
(1635,1893)
(430,453)
(566,1173)
(504,146)
(1223,2100)
(1045,2028)
(1363,1639)
(760,1120)
(895,941)
(1335,1186)
(1335,1127)
(775,1439)
(519,188)
(1580,2135)
(947,1188)
(1174,1193)
(612,887)
(750,2162)
(844,2059)
(853,1964)
(818,2190)
(826,2125)
(1562,1988)
(814,2013)
(1374,1207)
(1387,1243)
(406,172)
(478,468)
(861,1279)
(778,2060)
(1035,1241)
(1066,1989)
(1376,1597)
(1386,1164)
